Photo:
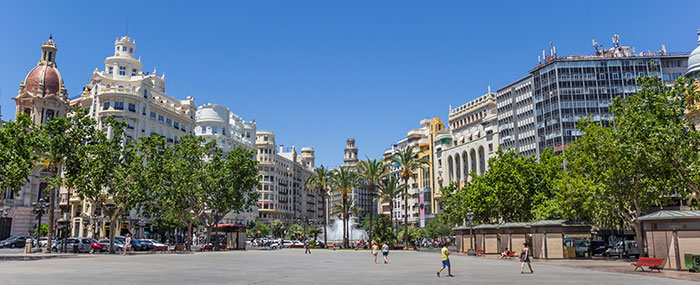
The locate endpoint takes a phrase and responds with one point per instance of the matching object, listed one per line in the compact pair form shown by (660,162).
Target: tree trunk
(371,211)
(391,216)
(325,222)
(638,236)
(188,236)
(345,229)
(209,229)
(405,215)
(112,227)
(52,201)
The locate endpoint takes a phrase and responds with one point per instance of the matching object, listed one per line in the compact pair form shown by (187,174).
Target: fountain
(335,231)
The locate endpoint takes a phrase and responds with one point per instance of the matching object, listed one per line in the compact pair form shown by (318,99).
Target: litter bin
(28,245)
(692,262)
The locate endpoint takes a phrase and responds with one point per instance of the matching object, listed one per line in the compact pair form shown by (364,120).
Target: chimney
(281,149)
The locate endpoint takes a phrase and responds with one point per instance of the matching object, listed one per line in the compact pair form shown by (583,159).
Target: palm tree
(372,171)
(407,163)
(389,188)
(350,210)
(319,182)
(343,181)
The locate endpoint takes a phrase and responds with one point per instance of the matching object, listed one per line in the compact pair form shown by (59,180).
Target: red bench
(652,263)
(480,252)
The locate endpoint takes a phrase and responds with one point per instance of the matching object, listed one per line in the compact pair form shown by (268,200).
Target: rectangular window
(105,106)
(119,105)
(182,127)
(145,93)
(168,121)
(122,70)
(133,72)
(132,107)
(176,125)
(160,118)
(153,115)
(144,111)
(123,48)
(111,69)
(213,130)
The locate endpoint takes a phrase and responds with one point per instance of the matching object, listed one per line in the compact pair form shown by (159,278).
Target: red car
(96,246)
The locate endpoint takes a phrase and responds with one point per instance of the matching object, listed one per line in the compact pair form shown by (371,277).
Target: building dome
(694,61)
(43,79)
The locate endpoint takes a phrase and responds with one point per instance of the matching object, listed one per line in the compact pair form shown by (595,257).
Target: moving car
(14,242)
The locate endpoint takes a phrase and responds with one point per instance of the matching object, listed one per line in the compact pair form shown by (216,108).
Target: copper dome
(48,75)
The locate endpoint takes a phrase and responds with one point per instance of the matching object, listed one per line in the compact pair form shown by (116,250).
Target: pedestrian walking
(127,244)
(375,251)
(307,247)
(445,261)
(525,258)
(385,251)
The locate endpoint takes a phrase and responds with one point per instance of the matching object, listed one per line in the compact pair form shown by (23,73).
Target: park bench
(510,254)
(652,263)
(179,248)
(480,252)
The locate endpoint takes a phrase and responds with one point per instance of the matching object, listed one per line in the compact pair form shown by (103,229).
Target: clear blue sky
(318,72)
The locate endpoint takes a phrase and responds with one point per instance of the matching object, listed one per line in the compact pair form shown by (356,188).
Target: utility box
(692,262)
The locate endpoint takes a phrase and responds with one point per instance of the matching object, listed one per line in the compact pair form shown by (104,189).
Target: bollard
(28,245)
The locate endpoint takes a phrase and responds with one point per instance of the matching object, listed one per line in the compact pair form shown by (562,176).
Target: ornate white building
(472,140)
(42,96)
(138,98)
(217,123)
(282,178)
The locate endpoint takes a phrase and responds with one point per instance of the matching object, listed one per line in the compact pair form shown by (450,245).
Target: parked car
(143,244)
(71,244)
(96,246)
(287,244)
(598,247)
(14,242)
(118,245)
(297,244)
(623,248)
(43,241)
(155,244)
(136,245)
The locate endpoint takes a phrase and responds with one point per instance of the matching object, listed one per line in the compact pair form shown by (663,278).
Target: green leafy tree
(371,171)
(407,162)
(259,226)
(319,182)
(17,158)
(343,181)
(295,232)
(383,230)
(437,228)
(314,232)
(277,228)
(228,184)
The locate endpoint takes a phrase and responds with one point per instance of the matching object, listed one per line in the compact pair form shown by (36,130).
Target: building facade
(517,128)
(472,140)
(566,89)
(42,96)
(283,174)
(138,98)
(360,196)
(420,194)
(693,73)
(217,123)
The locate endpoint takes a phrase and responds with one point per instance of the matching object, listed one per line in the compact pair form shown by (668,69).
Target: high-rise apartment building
(517,128)
(282,178)
(566,89)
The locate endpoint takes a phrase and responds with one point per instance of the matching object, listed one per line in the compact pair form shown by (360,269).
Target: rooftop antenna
(663,49)
(126,30)
(596,46)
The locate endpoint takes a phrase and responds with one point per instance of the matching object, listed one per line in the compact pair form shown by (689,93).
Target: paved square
(291,266)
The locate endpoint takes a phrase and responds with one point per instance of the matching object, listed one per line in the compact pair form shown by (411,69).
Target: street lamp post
(39,210)
(470,216)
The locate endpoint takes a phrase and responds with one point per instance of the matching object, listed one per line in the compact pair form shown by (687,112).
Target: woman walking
(127,244)
(385,251)
(525,258)
(375,251)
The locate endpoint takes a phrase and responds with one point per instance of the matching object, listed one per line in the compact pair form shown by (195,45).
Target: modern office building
(472,140)
(517,128)
(138,98)
(217,123)
(42,96)
(566,89)
(283,174)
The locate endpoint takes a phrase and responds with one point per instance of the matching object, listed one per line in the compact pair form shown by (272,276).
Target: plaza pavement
(291,266)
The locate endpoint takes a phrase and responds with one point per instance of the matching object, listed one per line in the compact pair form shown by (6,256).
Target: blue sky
(318,72)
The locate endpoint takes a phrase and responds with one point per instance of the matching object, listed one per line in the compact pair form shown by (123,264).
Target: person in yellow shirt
(445,261)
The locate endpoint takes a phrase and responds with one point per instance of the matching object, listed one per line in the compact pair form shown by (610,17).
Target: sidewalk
(618,266)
